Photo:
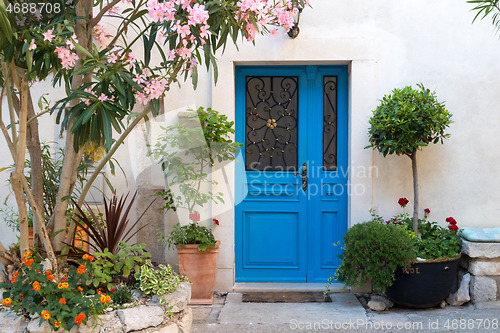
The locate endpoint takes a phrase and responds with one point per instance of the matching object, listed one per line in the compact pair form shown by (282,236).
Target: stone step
(241,287)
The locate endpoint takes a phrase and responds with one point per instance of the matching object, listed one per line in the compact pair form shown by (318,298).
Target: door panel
(287,117)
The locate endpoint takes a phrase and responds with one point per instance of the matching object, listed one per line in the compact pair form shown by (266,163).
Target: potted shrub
(412,271)
(187,152)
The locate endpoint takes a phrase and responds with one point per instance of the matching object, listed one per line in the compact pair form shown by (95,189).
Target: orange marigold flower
(47,272)
(7,301)
(87,257)
(80,318)
(45,314)
(62,300)
(63,285)
(28,262)
(103,299)
(57,324)
(108,298)
(16,274)
(36,286)
(79,288)
(27,254)
(50,277)
(80,269)
(64,279)
(13,280)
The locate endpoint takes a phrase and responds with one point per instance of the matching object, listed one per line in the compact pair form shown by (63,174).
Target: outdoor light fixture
(294,31)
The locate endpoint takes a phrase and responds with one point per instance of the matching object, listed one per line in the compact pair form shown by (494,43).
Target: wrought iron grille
(271,123)
(330,123)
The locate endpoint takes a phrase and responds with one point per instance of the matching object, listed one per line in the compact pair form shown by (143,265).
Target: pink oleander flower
(103,98)
(164,11)
(273,33)
(47,36)
(100,34)
(197,15)
(68,59)
(32,45)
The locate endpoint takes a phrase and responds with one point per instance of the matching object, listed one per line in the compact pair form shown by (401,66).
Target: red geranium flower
(216,221)
(427,211)
(451,220)
(453,227)
(403,202)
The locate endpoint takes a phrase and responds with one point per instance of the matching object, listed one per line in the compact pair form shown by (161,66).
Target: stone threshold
(241,287)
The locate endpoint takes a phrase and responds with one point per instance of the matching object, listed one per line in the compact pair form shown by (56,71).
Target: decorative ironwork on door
(271,123)
(330,123)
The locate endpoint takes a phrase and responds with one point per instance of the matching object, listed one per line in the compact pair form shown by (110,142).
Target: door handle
(304,176)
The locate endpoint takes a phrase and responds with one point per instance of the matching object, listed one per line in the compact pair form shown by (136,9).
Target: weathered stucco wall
(386,45)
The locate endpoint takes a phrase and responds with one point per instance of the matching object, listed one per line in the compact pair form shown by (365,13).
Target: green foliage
(191,233)
(485,8)
(34,290)
(186,152)
(109,269)
(407,120)
(159,281)
(121,294)
(436,242)
(373,250)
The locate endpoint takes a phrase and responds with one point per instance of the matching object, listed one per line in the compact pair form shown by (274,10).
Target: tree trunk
(33,145)
(413,158)
(15,177)
(72,158)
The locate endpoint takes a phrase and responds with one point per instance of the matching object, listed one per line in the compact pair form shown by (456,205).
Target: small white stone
(376,305)
(388,303)
(442,305)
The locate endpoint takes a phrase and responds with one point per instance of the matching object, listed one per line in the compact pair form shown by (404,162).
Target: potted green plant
(412,271)
(187,152)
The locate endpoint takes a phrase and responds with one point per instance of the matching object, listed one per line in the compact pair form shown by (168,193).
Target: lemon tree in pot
(187,152)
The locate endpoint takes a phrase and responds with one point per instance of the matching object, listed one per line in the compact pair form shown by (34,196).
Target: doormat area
(285,297)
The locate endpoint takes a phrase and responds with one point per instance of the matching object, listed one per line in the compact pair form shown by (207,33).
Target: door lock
(304,176)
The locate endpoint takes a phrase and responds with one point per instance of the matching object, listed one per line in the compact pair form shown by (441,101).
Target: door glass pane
(330,123)
(271,123)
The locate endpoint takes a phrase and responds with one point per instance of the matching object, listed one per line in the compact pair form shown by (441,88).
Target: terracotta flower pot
(200,267)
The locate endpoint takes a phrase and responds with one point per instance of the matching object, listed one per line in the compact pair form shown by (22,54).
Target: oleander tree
(487,8)
(108,88)
(403,123)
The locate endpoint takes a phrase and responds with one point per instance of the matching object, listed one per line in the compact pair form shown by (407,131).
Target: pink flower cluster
(153,87)
(265,12)
(164,11)
(67,57)
(103,97)
(100,34)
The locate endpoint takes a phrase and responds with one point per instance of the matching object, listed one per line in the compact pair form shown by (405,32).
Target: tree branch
(99,16)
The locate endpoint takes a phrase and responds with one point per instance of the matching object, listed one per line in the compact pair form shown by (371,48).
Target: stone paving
(345,314)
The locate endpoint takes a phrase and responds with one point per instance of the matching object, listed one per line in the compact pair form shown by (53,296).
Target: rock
(376,305)
(186,321)
(107,323)
(140,317)
(481,250)
(484,267)
(35,327)
(482,289)
(11,322)
(462,295)
(388,303)
(442,305)
(170,328)
(177,301)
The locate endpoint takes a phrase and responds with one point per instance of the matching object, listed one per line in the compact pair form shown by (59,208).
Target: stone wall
(171,316)
(482,260)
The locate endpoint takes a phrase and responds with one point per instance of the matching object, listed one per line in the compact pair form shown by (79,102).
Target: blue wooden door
(291,177)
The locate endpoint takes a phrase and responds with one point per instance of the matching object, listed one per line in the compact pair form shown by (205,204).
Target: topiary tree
(405,121)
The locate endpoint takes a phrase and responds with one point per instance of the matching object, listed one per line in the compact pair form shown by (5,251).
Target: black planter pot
(425,284)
